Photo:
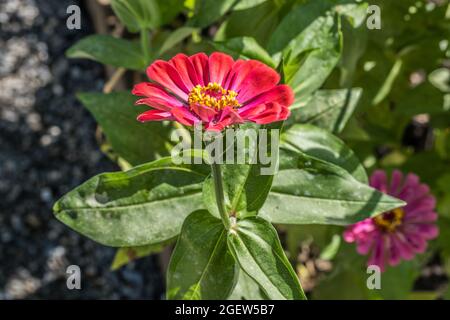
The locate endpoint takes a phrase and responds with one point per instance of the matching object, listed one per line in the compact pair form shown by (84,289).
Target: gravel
(48,147)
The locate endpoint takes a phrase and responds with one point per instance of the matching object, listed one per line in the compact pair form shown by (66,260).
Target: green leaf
(322,145)
(245,189)
(201,267)
(260,22)
(127,14)
(169,9)
(145,205)
(209,11)
(312,55)
(135,142)
(131,13)
(424,98)
(327,109)
(247,4)
(310,191)
(245,185)
(297,21)
(440,78)
(245,47)
(330,251)
(247,289)
(109,50)
(125,255)
(139,15)
(388,83)
(174,38)
(354,46)
(355,13)
(254,243)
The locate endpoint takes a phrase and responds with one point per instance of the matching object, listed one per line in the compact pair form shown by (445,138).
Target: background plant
(367,86)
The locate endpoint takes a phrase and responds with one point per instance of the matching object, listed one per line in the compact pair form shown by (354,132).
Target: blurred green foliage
(386,92)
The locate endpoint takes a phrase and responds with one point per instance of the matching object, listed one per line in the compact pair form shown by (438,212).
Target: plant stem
(220,198)
(145,44)
(109,86)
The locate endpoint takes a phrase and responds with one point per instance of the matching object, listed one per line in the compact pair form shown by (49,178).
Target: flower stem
(145,44)
(220,198)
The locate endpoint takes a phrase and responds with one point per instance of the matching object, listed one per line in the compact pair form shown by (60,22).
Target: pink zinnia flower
(399,234)
(215,91)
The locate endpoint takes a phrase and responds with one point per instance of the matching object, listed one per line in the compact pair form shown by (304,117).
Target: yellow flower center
(213,96)
(389,221)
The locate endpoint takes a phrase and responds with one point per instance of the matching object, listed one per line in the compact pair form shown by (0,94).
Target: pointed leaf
(311,57)
(201,267)
(295,22)
(308,191)
(145,205)
(109,50)
(327,109)
(322,145)
(174,38)
(247,289)
(209,11)
(246,4)
(125,255)
(130,139)
(254,243)
(245,47)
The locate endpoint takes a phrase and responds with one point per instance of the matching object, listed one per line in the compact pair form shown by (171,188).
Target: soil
(48,147)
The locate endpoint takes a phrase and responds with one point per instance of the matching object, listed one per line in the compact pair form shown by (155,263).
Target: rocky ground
(47,147)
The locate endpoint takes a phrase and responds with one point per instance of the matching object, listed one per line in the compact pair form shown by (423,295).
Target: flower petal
(219,66)
(281,94)
(238,72)
(377,257)
(259,79)
(200,62)
(378,180)
(394,256)
(154,115)
(414,194)
(186,70)
(396,180)
(157,97)
(205,113)
(408,189)
(166,75)
(184,116)
(427,203)
(417,242)
(364,245)
(271,112)
(227,117)
(418,216)
(405,250)
(425,230)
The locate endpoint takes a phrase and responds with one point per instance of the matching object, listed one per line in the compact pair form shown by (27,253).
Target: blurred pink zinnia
(401,233)
(215,91)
